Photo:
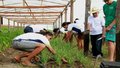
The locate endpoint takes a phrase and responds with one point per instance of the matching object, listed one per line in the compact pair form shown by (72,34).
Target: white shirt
(63,30)
(34,36)
(76,25)
(96,25)
(36,28)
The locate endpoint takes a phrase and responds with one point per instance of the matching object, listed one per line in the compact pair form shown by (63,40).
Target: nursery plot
(69,51)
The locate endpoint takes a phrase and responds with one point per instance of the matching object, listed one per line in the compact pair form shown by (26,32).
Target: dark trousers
(96,45)
(118,47)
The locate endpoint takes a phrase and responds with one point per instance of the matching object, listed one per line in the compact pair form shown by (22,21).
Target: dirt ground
(6,59)
(7,55)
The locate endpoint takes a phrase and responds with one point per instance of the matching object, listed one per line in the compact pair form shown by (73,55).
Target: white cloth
(76,25)
(63,30)
(36,29)
(77,21)
(96,25)
(34,36)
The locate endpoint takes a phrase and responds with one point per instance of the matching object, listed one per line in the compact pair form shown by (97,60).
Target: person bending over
(58,31)
(77,29)
(31,44)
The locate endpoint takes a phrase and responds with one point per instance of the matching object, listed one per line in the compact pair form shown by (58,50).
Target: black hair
(44,29)
(68,23)
(76,19)
(56,30)
(49,33)
(105,0)
(28,29)
(43,32)
(65,23)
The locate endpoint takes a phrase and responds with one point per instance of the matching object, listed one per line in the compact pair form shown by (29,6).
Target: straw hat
(94,10)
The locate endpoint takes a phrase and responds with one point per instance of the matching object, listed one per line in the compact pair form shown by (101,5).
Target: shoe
(98,56)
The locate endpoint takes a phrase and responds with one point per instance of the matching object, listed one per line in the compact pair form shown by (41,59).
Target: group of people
(99,28)
(103,27)
(32,43)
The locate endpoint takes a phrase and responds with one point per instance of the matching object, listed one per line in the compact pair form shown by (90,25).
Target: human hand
(64,60)
(108,28)
(103,35)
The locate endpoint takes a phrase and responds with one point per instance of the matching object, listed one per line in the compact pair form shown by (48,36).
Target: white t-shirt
(63,30)
(36,28)
(96,25)
(76,25)
(34,36)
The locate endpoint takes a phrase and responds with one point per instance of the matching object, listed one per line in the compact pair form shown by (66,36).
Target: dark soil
(7,55)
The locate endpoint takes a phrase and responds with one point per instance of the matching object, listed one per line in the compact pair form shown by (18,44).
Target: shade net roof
(33,11)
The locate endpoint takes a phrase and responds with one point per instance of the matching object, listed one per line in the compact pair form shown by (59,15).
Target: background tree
(86,34)
(118,32)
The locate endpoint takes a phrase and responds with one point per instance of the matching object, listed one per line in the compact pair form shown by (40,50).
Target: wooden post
(118,31)
(13,24)
(71,11)
(86,35)
(23,25)
(53,25)
(59,23)
(66,15)
(3,2)
(1,22)
(20,25)
(17,25)
(8,25)
(61,20)
(56,24)
(88,4)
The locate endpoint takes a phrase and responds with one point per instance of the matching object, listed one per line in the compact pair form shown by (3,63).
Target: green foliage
(69,51)
(65,50)
(6,37)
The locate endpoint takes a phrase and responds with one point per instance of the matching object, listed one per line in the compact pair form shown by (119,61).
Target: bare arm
(103,31)
(111,25)
(88,26)
(51,49)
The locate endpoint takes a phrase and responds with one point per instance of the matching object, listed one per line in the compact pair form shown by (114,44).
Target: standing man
(110,10)
(97,31)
